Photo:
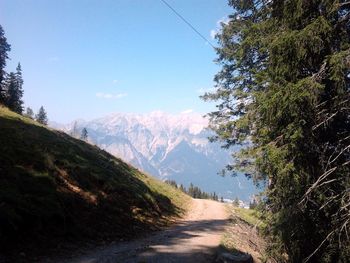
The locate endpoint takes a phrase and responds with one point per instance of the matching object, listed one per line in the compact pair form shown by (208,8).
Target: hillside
(55,188)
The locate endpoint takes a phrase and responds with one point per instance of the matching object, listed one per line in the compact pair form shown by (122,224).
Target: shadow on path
(189,241)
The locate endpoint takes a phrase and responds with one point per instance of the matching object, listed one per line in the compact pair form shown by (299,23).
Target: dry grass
(242,235)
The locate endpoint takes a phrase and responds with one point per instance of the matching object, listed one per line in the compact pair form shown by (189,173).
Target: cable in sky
(188,23)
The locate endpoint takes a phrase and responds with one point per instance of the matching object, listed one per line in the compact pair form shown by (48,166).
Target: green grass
(54,187)
(227,243)
(250,216)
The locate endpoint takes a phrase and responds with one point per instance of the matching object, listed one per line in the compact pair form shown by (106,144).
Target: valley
(168,146)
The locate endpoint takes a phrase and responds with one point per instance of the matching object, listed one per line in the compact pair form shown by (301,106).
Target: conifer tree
(41,116)
(4,49)
(14,92)
(253,204)
(182,188)
(191,190)
(284,86)
(75,132)
(19,79)
(84,134)
(29,113)
(236,202)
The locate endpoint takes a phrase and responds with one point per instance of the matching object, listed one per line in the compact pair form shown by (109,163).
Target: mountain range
(170,147)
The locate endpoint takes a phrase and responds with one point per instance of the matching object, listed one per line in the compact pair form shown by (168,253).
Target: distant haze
(174,147)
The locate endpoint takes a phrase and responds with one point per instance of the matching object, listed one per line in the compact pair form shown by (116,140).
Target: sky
(88,58)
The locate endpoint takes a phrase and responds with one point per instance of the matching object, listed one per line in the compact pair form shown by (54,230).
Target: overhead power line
(188,23)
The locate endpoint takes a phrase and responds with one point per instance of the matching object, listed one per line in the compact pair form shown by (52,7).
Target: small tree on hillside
(41,117)
(84,134)
(215,197)
(19,82)
(29,113)
(182,188)
(236,202)
(14,91)
(253,204)
(74,131)
(4,48)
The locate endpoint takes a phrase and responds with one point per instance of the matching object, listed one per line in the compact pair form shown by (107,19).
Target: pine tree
(74,132)
(191,190)
(4,49)
(182,188)
(19,79)
(84,134)
(14,91)
(41,116)
(29,113)
(236,202)
(284,86)
(253,204)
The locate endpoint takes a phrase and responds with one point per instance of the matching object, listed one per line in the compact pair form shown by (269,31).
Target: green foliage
(14,91)
(171,182)
(284,86)
(41,117)
(4,49)
(11,90)
(194,191)
(253,204)
(250,216)
(29,113)
(84,134)
(236,202)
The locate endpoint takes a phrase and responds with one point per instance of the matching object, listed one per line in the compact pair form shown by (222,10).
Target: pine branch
(326,120)
(344,228)
(347,147)
(329,201)
(316,184)
(321,74)
(313,253)
(345,4)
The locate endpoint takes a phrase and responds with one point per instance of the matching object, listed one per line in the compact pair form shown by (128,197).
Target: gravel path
(194,239)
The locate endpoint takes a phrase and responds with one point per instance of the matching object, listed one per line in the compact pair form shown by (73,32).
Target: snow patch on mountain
(169,146)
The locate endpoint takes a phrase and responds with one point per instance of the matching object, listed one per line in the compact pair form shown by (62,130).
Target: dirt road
(193,239)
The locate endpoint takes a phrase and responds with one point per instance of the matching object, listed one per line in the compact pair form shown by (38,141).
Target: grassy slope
(242,234)
(250,216)
(54,187)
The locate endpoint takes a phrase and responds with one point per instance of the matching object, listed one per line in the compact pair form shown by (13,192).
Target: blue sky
(88,58)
